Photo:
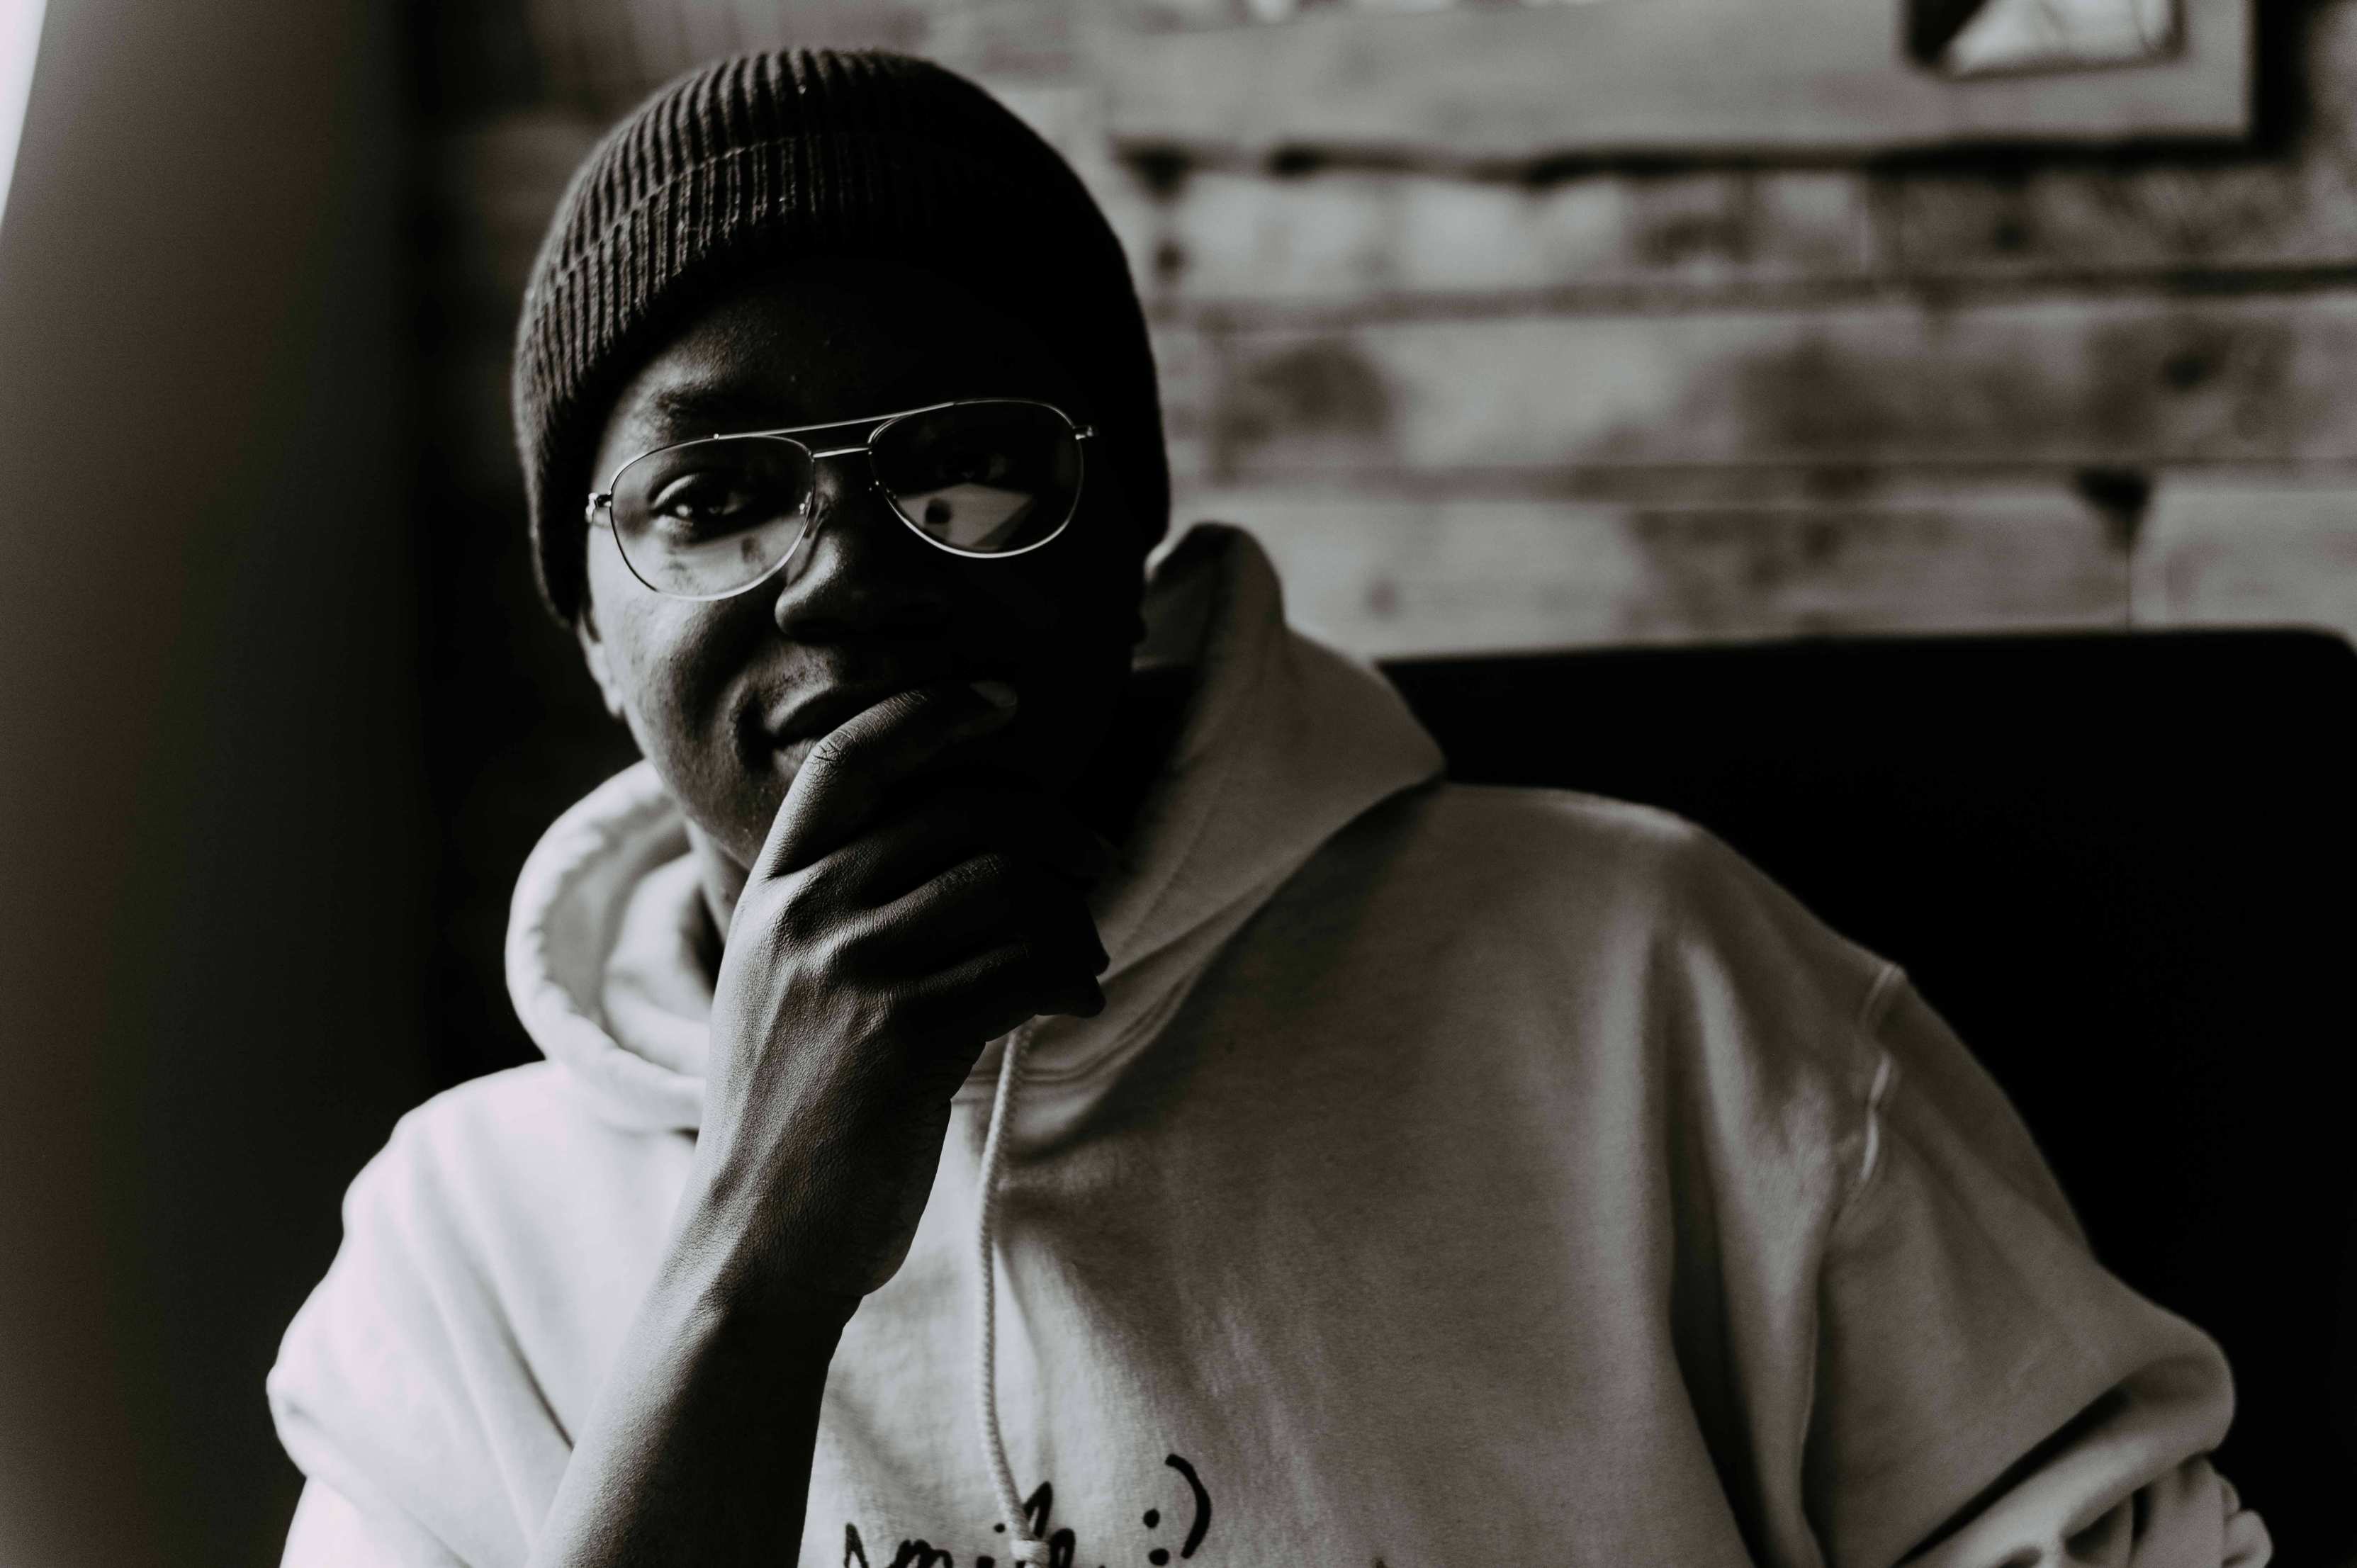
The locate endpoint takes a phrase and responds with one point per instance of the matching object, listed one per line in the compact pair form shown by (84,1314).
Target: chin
(731,807)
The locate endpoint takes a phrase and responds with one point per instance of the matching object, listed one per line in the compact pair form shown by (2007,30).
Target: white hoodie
(1456,1177)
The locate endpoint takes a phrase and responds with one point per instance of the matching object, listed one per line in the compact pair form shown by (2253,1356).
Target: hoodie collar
(1284,742)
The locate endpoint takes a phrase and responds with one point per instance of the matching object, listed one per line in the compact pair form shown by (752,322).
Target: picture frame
(1748,79)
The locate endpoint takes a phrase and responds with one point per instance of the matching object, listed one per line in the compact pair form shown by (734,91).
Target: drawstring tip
(1024,1547)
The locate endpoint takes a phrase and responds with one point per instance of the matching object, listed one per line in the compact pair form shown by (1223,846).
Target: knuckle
(1027,954)
(824,885)
(801,914)
(761,909)
(986,871)
(832,751)
(998,867)
(849,949)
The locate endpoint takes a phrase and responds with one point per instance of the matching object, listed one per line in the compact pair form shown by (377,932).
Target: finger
(955,821)
(984,994)
(981,903)
(841,785)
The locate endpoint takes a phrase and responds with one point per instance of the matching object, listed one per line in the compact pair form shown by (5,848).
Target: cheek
(724,776)
(659,649)
(675,666)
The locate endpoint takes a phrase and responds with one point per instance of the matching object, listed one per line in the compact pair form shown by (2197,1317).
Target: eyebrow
(697,408)
(681,412)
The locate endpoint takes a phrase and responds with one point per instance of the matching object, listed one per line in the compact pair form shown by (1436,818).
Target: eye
(708,502)
(975,465)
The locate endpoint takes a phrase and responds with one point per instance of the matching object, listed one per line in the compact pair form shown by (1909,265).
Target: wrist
(699,1445)
(726,1266)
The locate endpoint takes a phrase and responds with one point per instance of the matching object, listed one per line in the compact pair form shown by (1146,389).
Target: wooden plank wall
(1523,406)
(1574,404)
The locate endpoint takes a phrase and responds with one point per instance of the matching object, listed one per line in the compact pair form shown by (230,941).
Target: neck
(1137,751)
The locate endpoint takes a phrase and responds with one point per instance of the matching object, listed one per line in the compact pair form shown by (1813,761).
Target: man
(1045,1074)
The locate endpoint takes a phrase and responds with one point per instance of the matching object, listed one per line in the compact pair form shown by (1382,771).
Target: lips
(812,715)
(809,714)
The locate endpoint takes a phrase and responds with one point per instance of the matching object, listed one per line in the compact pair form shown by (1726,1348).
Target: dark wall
(212,839)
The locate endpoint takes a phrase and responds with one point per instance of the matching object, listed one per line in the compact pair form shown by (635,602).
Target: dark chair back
(2123,866)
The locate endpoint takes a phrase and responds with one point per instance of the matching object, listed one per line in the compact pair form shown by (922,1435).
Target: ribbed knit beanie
(763,158)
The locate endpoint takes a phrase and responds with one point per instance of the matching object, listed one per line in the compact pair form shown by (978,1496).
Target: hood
(1284,742)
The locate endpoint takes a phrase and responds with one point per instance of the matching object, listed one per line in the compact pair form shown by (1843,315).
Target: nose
(858,571)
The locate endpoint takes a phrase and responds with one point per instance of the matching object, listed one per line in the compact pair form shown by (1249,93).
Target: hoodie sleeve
(398,1391)
(328,1531)
(1986,1394)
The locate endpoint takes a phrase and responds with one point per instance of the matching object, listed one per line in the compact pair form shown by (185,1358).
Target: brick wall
(1564,404)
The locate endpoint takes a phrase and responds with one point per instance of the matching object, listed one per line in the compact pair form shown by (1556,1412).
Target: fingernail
(998,693)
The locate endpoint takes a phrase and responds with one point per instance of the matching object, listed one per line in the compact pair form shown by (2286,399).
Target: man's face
(725,697)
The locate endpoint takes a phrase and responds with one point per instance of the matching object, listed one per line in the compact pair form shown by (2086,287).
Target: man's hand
(901,915)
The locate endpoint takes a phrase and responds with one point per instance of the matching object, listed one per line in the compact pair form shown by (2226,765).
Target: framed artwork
(1517,80)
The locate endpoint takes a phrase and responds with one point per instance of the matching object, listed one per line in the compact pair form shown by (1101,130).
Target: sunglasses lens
(983,479)
(710,517)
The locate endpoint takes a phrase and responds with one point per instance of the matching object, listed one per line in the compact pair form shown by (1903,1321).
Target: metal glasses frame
(598,512)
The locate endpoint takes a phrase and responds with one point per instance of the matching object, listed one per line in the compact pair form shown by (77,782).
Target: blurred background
(1501,325)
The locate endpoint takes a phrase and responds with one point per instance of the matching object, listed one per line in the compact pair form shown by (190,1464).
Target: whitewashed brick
(1373,237)
(1247,236)
(2107,380)
(1463,235)
(2251,549)
(1387,577)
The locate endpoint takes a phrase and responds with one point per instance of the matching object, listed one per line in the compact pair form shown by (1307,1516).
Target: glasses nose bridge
(820,455)
(824,499)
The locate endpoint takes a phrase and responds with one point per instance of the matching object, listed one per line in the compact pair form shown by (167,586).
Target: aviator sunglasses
(977,476)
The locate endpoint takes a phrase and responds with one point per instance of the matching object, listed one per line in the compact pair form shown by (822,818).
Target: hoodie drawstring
(1024,1546)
